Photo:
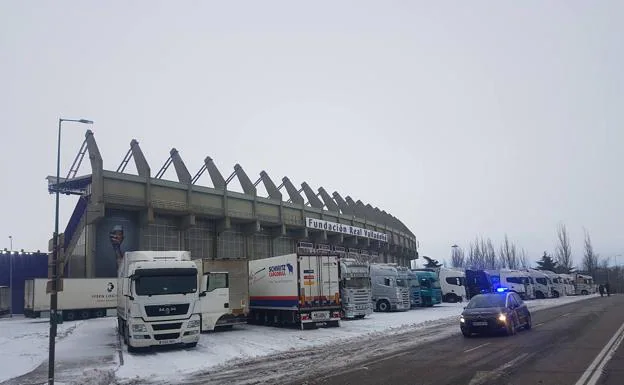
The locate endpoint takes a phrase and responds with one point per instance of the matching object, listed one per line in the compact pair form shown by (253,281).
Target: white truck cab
(453,284)
(517,281)
(541,282)
(157,294)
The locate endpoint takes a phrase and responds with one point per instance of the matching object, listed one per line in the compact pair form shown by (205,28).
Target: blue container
(25,266)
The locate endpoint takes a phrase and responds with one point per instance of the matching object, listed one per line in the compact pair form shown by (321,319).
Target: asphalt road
(562,345)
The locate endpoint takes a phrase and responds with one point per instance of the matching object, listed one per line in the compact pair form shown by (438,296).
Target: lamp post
(11,275)
(55,249)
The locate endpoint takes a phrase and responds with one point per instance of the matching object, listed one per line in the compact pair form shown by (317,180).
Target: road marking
(483,377)
(476,347)
(594,371)
(566,314)
(539,324)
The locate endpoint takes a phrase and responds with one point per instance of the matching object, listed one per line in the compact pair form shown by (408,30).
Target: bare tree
(590,259)
(476,258)
(523,259)
(564,250)
(508,254)
(491,262)
(458,259)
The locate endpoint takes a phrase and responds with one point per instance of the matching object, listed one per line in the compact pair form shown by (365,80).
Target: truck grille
(168,336)
(158,327)
(166,310)
(405,298)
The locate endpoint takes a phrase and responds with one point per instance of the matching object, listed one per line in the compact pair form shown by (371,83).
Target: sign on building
(319,224)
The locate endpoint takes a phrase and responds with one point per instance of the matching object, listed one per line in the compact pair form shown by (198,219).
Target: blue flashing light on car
(501,289)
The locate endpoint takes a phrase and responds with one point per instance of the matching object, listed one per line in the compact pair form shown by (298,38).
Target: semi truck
(226,283)
(481,281)
(5,305)
(355,288)
(541,282)
(558,288)
(518,282)
(298,289)
(81,298)
(156,298)
(430,292)
(414,289)
(389,290)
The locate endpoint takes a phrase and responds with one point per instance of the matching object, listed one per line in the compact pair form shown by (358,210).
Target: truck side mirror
(202,294)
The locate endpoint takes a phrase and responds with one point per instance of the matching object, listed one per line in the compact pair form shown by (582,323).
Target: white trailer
(299,289)
(227,282)
(157,294)
(81,298)
(5,305)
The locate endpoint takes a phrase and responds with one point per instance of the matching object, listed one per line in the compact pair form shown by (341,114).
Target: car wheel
(529,323)
(466,333)
(511,328)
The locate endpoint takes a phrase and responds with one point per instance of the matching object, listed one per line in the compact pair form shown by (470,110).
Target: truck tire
(383,305)
(69,315)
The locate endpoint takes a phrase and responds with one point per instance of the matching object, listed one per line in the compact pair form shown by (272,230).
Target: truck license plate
(480,323)
(320,315)
(167,342)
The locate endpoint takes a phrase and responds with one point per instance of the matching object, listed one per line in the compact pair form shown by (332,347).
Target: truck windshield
(541,281)
(165,284)
(401,282)
(414,282)
(357,283)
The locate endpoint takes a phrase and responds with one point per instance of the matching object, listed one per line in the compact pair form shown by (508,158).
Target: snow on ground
(250,341)
(24,344)
(86,349)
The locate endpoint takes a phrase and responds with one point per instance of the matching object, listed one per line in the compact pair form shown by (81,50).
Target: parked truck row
(528,283)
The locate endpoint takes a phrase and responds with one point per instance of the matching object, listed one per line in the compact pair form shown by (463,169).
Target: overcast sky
(460,118)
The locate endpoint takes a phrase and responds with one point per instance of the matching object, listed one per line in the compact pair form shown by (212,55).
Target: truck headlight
(139,328)
(192,324)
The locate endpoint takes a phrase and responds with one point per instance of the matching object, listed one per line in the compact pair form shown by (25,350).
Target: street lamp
(11,275)
(55,249)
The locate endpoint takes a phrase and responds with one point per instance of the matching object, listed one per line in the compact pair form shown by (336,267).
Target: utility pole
(11,275)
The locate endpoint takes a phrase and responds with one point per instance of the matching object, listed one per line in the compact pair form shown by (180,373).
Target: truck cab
(518,282)
(355,288)
(558,288)
(389,291)
(541,283)
(584,284)
(430,291)
(480,282)
(453,285)
(157,294)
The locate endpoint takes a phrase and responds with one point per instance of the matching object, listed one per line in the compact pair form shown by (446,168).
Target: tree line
(483,254)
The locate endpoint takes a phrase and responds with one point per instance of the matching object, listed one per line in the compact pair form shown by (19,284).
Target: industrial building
(118,211)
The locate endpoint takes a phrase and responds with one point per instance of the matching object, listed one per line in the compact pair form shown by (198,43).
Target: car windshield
(169,284)
(357,283)
(401,282)
(482,301)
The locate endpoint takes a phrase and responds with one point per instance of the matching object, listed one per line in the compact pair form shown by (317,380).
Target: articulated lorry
(226,284)
(81,298)
(390,290)
(299,289)
(156,298)
(355,288)
(430,292)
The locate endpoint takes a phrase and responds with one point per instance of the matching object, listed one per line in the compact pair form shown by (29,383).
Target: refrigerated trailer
(81,298)
(300,289)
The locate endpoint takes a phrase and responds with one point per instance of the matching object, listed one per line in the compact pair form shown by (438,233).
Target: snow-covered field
(88,346)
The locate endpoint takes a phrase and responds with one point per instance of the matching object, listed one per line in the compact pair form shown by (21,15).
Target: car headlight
(461,319)
(192,324)
(502,317)
(139,328)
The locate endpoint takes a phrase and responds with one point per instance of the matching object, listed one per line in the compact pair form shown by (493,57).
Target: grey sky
(460,119)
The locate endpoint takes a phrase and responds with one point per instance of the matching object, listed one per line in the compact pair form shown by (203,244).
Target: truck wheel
(584,292)
(556,294)
(383,305)
(69,316)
